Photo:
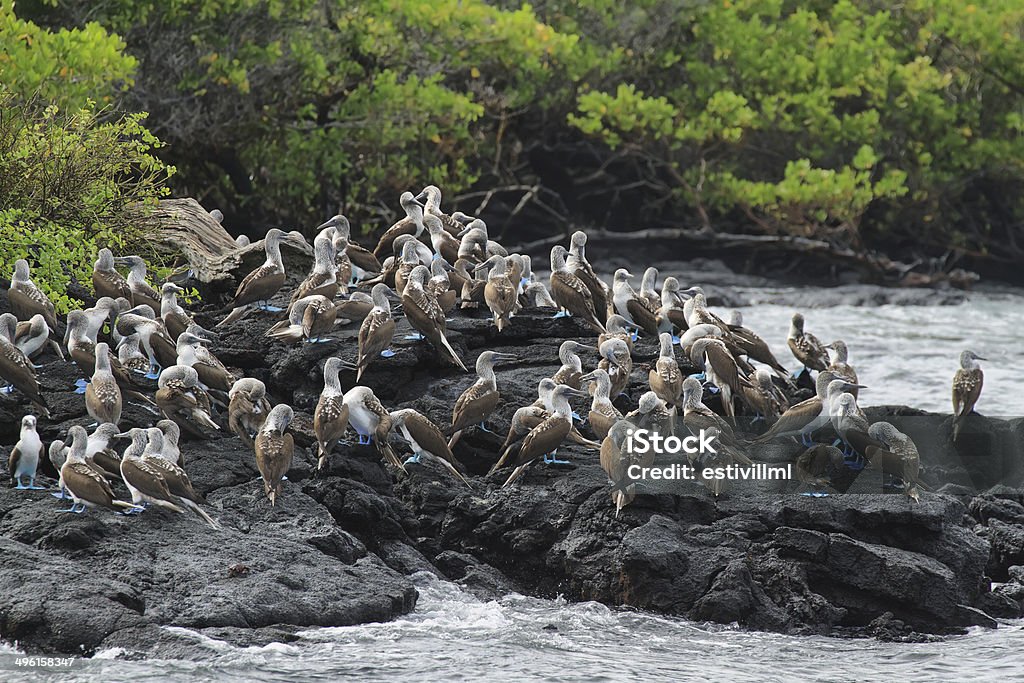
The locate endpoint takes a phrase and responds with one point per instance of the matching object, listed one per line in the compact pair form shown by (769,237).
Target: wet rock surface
(338,547)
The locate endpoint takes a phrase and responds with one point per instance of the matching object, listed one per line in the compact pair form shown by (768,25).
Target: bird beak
(979,358)
(122,435)
(588,377)
(463,233)
(576,392)
(328,224)
(421,196)
(505,356)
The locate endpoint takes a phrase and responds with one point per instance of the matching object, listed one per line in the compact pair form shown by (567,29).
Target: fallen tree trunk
(185,229)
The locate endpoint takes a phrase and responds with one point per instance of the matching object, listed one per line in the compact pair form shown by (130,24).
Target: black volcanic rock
(337,547)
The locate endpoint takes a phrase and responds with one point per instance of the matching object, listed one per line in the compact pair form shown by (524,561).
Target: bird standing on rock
(144,482)
(26,299)
(371,421)
(15,368)
(425,438)
(106,281)
(142,293)
(425,314)
(247,408)
(477,402)
(177,481)
(499,292)
(603,413)
(274,449)
(32,335)
(25,456)
(899,457)
(102,395)
(570,293)
(377,330)
(545,438)
(330,420)
(86,486)
(805,346)
(967,384)
(262,283)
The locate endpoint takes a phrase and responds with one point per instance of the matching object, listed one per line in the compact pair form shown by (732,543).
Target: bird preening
(151,375)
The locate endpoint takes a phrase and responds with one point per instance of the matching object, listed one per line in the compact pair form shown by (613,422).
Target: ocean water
(453,636)
(904,355)
(908,354)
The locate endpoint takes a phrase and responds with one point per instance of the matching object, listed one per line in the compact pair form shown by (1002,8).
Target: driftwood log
(184,229)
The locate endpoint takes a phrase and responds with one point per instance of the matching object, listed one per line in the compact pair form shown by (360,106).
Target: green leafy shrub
(75,175)
(72,182)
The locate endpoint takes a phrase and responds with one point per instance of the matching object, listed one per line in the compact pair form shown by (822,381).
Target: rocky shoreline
(340,546)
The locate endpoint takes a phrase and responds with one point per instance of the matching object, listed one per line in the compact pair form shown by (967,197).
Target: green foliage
(848,120)
(292,109)
(71,182)
(808,116)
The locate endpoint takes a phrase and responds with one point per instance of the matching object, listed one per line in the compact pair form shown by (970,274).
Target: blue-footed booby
(144,481)
(571,372)
(499,292)
(363,263)
(545,438)
(431,198)
(312,313)
(141,291)
(176,319)
(411,224)
(445,244)
(839,365)
(805,346)
(477,402)
(967,384)
(425,314)
(15,368)
(25,456)
(26,299)
(424,437)
(247,408)
(697,416)
(440,285)
(102,395)
(805,417)
(172,432)
(570,293)
(261,284)
(176,479)
(603,413)
(330,420)
(747,341)
(665,377)
(649,288)
(86,486)
(633,307)
(576,262)
(212,373)
(719,367)
(323,278)
(371,421)
(274,449)
(377,330)
(106,281)
(99,453)
(616,459)
(32,335)
(182,399)
(899,457)
(616,361)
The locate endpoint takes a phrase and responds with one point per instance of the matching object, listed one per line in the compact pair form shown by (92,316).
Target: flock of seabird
(434,264)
